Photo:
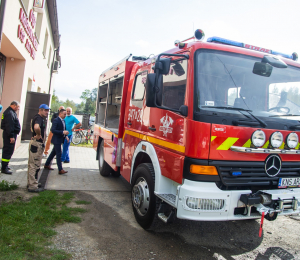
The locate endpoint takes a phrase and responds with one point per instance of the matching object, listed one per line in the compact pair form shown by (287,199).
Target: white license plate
(289,182)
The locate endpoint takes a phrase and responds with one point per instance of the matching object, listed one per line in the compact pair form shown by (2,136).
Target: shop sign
(28,26)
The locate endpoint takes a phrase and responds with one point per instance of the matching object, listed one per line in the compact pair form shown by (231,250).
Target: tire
(144,202)
(76,138)
(116,174)
(104,168)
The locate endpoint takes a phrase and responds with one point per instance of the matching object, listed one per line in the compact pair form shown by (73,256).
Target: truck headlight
(292,140)
(258,138)
(276,139)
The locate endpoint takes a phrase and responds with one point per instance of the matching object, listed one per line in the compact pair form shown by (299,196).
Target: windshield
(225,80)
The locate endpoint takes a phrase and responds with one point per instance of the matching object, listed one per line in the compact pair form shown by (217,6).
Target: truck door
(133,120)
(167,127)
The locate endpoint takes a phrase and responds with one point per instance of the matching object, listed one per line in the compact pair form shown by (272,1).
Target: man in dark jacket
(11,128)
(59,134)
(55,115)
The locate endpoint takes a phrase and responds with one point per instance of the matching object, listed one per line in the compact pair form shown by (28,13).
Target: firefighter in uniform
(11,128)
(36,148)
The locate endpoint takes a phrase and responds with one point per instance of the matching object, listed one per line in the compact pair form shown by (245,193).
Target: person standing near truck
(47,147)
(36,148)
(11,128)
(71,123)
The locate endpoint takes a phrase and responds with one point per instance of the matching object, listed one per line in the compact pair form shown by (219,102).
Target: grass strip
(25,227)
(6,186)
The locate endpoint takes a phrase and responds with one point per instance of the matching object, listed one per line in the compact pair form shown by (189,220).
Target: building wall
(22,72)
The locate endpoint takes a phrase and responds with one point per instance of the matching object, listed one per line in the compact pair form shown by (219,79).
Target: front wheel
(76,138)
(144,202)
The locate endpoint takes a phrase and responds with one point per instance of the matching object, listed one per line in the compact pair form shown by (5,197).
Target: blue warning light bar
(294,56)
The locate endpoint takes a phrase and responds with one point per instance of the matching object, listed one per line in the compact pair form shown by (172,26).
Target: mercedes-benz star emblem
(273,165)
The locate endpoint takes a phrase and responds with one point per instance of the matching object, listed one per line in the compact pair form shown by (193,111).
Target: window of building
(29,85)
(49,57)
(45,44)
(174,85)
(38,25)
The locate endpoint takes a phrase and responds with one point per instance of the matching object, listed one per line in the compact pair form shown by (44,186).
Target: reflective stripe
(154,140)
(266,145)
(213,138)
(247,144)
(5,160)
(2,116)
(227,143)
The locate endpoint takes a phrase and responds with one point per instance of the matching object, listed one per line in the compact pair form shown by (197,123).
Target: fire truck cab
(206,131)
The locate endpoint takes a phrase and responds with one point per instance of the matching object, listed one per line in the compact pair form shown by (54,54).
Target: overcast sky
(95,34)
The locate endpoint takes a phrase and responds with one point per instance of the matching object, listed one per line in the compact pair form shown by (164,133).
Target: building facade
(29,56)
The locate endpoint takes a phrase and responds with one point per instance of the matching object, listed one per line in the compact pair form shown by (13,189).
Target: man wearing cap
(36,148)
(11,128)
(59,134)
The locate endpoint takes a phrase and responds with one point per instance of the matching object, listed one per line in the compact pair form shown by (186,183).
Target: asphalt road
(110,224)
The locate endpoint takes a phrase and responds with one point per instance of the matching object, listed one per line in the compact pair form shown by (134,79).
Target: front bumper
(214,204)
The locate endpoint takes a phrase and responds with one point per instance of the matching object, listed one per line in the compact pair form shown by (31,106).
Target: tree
(55,102)
(89,98)
(71,104)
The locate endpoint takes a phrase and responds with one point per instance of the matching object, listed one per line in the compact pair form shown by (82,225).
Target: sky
(96,34)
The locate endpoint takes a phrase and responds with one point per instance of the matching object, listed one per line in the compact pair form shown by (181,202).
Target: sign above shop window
(38,5)
(27,27)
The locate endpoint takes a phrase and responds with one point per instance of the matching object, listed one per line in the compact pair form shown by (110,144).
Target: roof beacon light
(293,56)
(198,35)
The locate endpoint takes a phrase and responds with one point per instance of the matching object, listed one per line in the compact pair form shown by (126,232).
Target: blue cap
(44,106)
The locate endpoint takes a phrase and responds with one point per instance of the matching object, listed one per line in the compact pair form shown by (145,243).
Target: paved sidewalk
(83,173)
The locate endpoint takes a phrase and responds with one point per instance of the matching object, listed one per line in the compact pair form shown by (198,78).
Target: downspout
(51,71)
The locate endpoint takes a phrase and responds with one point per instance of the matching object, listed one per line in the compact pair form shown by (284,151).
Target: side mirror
(163,66)
(274,61)
(183,110)
(154,92)
(262,69)
(150,91)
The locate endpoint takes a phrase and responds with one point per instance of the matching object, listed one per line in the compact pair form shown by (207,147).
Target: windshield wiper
(283,115)
(262,123)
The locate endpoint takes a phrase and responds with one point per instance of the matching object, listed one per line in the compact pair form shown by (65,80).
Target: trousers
(65,157)
(7,150)
(48,143)
(55,151)
(36,150)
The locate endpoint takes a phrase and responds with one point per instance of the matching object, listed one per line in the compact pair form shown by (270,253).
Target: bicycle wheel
(76,138)
(90,138)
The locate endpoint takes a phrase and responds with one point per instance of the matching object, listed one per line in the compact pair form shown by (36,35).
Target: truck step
(169,198)
(167,219)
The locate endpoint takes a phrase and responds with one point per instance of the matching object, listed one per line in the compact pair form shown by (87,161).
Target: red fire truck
(206,131)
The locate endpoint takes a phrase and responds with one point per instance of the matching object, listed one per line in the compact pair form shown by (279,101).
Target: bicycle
(85,134)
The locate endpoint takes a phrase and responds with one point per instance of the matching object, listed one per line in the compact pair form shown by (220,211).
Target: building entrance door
(33,101)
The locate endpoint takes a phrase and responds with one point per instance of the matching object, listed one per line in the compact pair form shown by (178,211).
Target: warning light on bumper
(204,204)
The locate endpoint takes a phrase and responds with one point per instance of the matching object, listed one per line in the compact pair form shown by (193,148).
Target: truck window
(139,86)
(174,85)
(286,94)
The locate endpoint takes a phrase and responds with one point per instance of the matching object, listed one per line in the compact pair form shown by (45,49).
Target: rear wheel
(144,202)
(104,168)
(76,138)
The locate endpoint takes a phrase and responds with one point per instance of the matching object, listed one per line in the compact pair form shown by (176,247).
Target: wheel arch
(145,153)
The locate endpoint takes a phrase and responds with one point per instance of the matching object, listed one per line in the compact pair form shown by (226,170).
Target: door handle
(152,128)
(129,123)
